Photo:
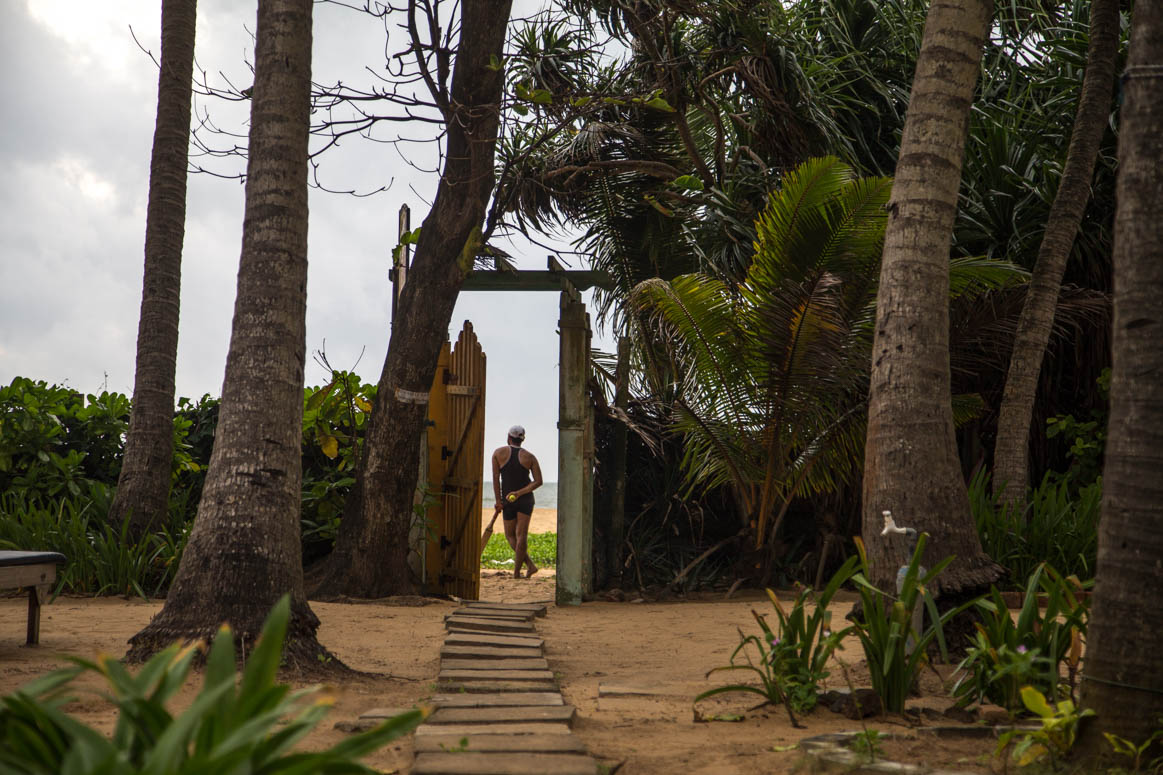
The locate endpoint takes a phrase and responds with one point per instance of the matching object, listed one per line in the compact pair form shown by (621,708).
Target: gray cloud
(74,146)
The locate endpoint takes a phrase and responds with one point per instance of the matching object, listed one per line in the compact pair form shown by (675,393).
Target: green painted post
(571,518)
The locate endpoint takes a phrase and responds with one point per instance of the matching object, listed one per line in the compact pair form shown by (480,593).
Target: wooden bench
(35,570)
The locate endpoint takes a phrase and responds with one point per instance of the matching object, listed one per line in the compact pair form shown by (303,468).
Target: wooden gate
(456,437)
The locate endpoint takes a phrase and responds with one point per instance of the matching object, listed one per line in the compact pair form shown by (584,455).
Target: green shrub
(791,660)
(101,559)
(236,724)
(335,417)
(1058,525)
(1054,739)
(54,440)
(894,651)
(1007,654)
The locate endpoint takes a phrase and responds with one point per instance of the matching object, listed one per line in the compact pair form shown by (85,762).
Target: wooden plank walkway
(499,710)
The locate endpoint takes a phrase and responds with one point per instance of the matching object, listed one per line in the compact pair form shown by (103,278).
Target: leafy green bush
(542,548)
(1008,654)
(334,419)
(54,441)
(790,662)
(1058,526)
(1054,739)
(246,723)
(194,428)
(101,559)
(1086,440)
(894,651)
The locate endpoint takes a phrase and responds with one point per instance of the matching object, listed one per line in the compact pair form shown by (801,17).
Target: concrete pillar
(588,455)
(574,523)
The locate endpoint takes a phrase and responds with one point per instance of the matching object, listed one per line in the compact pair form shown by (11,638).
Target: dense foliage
(663,152)
(60,454)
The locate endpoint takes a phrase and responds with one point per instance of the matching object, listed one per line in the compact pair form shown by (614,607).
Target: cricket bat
(485,536)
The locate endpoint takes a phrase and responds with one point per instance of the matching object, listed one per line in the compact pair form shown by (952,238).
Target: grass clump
(542,550)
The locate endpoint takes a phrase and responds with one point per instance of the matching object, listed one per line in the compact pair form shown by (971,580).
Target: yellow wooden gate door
(456,438)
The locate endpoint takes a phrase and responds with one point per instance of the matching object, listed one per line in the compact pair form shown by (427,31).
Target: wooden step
(511,743)
(524,714)
(488,652)
(538,609)
(485,639)
(492,687)
(498,699)
(540,663)
(493,729)
(504,764)
(479,624)
(493,613)
(494,675)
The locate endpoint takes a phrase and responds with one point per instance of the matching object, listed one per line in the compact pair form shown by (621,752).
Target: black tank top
(514,476)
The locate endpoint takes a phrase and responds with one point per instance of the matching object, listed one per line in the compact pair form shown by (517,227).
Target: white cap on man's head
(517,432)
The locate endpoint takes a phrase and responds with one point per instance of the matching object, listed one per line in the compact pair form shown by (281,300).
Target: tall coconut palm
(1011,450)
(911,466)
(143,486)
(1122,679)
(244,552)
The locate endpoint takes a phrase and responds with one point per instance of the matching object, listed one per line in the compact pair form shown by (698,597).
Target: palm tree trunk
(371,551)
(1011,454)
(244,552)
(911,464)
(1122,679)
(143,486)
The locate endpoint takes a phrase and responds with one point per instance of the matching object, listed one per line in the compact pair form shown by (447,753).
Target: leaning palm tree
(770,370)
(143,486)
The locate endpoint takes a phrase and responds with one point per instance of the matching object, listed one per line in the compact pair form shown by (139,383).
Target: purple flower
(1022,649)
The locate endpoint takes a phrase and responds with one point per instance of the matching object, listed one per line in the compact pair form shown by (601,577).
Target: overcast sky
(75,141)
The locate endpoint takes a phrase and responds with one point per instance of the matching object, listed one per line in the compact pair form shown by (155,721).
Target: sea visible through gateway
(545,496)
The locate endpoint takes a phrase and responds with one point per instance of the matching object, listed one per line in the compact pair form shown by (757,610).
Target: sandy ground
(665,649)
(543,520)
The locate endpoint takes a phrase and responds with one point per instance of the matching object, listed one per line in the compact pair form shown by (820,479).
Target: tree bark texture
(371,550)
(911,465)
(1122,675)
(143,486)
(244,551)
(1011,455)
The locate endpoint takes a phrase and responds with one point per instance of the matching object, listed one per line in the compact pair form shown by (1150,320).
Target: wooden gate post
(574,520)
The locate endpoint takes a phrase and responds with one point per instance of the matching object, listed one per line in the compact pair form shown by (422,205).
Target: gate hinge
(445,452)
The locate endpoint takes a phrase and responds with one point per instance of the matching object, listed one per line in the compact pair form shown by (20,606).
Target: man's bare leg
(511,537)
(521,550)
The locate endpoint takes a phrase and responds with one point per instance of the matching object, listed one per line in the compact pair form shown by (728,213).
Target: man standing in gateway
(516,475)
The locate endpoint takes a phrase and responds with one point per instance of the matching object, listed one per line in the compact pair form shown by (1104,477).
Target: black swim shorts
(523,505)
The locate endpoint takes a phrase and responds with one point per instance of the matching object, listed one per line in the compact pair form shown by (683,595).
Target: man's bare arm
(535,468)
(496,481)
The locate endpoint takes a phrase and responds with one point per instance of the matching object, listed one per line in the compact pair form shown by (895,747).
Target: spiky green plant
(236,724)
